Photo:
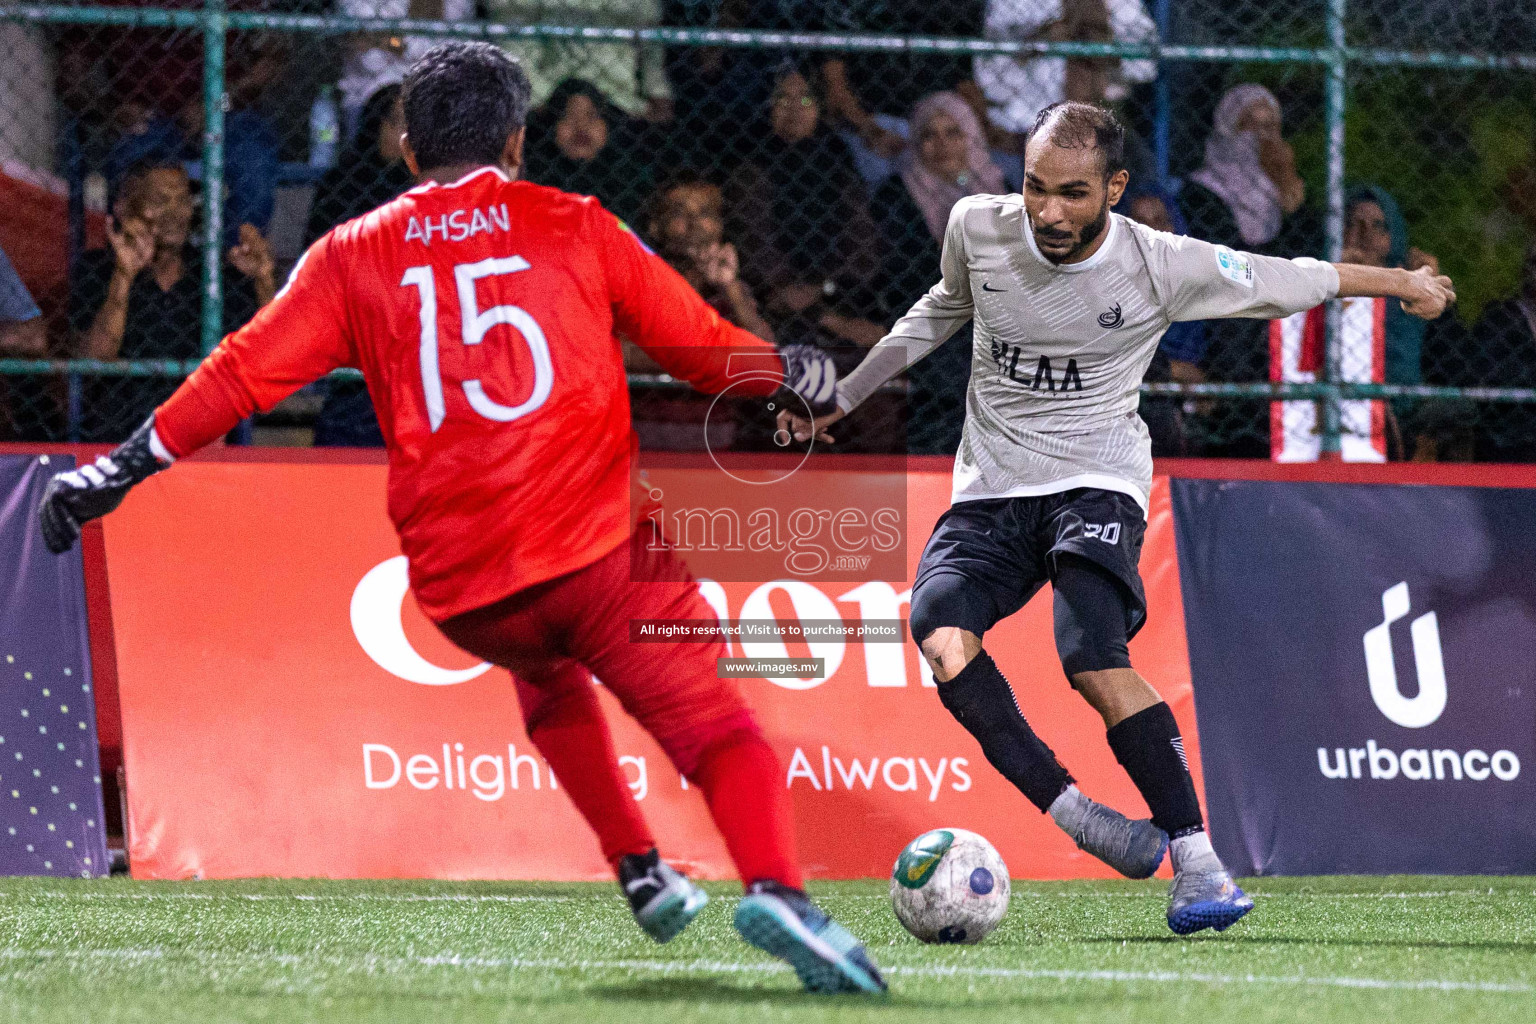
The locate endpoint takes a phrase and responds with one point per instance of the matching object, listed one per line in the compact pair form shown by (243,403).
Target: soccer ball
(949,885)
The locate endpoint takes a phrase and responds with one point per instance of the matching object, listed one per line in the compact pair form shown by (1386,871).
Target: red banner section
(288,711)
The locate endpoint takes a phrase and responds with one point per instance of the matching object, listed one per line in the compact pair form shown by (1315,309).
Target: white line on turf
(370,962)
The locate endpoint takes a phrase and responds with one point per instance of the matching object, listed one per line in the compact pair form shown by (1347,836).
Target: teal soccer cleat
(783,922)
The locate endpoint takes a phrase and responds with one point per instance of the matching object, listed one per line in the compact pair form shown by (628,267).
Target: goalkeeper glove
(74,498)
(810,373)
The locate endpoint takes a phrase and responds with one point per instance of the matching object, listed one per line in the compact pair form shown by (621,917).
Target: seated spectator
(1247,194)
(870,94)
(580,142)
(687,226)
(808,243)
(1501,353)
(630,76)
(948,162)
(375,60)
(1018,88)
(370,170)
(27,408)
(21,322)
(1182,348)
(142,297)
(369,173)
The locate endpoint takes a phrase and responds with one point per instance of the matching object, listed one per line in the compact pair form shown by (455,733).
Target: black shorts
(1003,550)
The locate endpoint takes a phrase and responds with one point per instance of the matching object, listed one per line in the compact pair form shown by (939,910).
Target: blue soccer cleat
(1205,899)
(783,922)
(662,899)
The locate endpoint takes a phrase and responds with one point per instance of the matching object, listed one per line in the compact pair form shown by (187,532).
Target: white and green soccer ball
(949,885)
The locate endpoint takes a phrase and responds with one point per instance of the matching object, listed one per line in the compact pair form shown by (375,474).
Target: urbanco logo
(376,605)
(1424,708)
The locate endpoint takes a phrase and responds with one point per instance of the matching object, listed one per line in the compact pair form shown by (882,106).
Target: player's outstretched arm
(1422,292)
(932,320)
(74,498)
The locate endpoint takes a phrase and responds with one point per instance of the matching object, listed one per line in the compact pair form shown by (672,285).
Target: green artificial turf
(1320,949)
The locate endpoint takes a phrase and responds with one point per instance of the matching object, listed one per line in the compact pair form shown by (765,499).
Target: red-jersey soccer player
(482,311)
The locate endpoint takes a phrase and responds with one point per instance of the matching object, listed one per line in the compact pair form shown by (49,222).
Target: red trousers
(550,634)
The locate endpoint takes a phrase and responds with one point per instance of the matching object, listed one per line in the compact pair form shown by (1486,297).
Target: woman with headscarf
(949,162)
(1376,235)
(369,173)
(1247,194)
(578,141)
(806,238)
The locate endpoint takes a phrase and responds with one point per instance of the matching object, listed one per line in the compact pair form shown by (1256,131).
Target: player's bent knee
(1091,652)
(948,650)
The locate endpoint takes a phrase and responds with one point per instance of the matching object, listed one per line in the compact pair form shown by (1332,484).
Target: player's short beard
(1086,237)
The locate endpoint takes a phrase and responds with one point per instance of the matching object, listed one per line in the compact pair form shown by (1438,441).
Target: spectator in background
(1018,88)
(580,142)
(369,173)
(1247,194)
(808,243)
(948,161)
(370,170)
(1500,353)
(26,408)
(632,76)
(687,226)
(21,322)
(374,60)
(1181,349)
(870,94)
(141,298)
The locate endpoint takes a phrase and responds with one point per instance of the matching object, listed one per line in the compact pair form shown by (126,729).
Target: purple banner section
(50,777)
(1364,665)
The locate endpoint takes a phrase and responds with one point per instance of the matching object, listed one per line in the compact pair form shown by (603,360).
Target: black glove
(91,491)
(810,373)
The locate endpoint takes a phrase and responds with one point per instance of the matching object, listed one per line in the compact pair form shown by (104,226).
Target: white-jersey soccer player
(1054,469)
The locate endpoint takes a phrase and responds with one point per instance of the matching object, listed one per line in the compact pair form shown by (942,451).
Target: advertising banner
(50,779)
(287,710)
(1364,658)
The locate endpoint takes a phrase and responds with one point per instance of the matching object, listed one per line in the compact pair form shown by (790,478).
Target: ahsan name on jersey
(458,225)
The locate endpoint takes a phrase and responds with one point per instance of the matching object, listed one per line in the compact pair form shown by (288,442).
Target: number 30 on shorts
(476,322)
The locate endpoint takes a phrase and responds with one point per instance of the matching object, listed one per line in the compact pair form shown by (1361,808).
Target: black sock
(982,701)
(1150,749)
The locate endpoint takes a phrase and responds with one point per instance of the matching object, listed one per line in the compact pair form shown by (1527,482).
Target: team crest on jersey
(1234,266)
(1112,317)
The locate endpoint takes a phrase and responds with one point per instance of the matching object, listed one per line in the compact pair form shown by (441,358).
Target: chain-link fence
(795,160)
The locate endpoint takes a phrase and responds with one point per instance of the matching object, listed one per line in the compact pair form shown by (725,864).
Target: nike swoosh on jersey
(987,287)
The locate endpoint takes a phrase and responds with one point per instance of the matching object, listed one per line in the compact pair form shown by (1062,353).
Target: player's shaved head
(462,101)
(1075,125)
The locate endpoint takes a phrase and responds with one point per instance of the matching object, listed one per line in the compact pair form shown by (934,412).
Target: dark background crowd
(803,193)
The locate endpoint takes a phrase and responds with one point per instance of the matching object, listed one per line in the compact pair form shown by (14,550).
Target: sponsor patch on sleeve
(623,225)
(1235,266)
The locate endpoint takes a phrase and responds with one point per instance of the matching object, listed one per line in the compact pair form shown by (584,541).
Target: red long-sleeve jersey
(483,315)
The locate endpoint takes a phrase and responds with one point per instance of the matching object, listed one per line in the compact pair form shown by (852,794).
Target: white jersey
(1061,349)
